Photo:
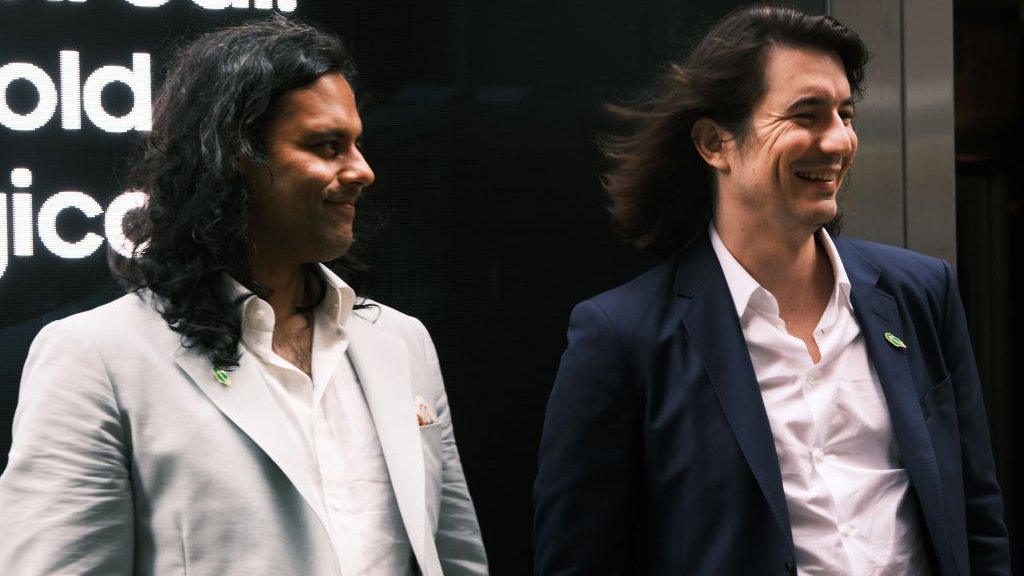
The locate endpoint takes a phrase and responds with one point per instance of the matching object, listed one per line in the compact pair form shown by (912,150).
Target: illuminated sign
(75,96)
(23,223)
(71,98)
(282,5)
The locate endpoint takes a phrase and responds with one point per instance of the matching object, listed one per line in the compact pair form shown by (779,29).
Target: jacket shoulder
(391,320)
(638,301)
(899,267)
(119,325)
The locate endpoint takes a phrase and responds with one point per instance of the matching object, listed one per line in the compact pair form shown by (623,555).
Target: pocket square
(424,415)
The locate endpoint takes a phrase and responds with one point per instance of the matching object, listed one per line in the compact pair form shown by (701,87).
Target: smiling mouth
(348,208)
(340,201)
(815,176)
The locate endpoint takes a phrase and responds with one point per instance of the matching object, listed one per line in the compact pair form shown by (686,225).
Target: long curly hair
(213,109)
(661,190)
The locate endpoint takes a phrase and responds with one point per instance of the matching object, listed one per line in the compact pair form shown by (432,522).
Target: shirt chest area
(332,427)
(834,409)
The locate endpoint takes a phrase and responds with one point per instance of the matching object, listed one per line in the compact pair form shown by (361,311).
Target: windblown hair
(661,190)
(213,109)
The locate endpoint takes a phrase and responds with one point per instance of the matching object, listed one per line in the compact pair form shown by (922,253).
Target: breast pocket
(430,438)
(938,399)
(938,406)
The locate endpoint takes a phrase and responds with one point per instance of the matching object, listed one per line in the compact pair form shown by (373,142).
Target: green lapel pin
(222,377)
(896,342)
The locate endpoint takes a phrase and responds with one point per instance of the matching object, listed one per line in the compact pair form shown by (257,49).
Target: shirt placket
(821,394)
(328,343)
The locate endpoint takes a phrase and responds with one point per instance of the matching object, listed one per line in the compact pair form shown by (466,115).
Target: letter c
(48,213)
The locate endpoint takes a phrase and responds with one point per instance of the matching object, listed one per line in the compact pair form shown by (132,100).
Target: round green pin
(896,342)
(222,376)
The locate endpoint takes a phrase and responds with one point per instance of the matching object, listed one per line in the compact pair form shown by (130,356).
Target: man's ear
(253,170)
(711,141)
(244,163)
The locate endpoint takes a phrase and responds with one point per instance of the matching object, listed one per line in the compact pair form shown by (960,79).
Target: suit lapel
(382,363)
(878,314)
(248,404)
(715,331)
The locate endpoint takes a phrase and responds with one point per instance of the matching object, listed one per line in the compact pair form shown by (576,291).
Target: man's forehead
(805,73)
(321,104)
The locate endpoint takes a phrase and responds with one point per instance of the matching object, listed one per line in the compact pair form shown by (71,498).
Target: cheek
(301,169)
(777,147)
(318,172)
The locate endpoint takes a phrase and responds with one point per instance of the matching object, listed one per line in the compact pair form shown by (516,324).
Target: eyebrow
(811,101)
(330,133)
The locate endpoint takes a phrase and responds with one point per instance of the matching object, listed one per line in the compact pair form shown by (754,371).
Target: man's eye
(847,117)
(329,148)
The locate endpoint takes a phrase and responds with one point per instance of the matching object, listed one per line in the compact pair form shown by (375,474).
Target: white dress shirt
(850,505)
(330,423)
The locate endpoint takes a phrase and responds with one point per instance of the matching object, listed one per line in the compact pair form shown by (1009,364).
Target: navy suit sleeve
(987,539)
(586,493)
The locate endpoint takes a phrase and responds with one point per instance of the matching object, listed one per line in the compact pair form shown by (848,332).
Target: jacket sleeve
(459,544)
(586,493)
(987,540)
(65,497)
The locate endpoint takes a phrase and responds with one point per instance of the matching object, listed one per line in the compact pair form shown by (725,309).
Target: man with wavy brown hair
(773,398)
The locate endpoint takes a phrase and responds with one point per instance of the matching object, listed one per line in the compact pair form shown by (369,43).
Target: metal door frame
(902,189)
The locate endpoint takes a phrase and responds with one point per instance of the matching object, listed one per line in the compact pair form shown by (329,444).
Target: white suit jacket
(129,457)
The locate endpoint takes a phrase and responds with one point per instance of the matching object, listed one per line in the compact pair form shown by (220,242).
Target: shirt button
(811,381)
(819,454)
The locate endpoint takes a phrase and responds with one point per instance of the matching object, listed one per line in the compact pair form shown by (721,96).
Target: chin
(332,250)
(822,214)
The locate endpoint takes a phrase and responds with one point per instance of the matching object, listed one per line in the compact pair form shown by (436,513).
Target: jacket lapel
(878,314)
(711,321)
(248,404)
(382,363)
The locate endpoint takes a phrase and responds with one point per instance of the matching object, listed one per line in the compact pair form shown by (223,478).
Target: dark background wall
(990,223)
(487,220)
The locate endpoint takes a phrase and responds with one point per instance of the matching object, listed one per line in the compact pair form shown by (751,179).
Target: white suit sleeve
(459,543)
(65,497)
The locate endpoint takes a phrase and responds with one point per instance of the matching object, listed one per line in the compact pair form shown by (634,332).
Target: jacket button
(790,569)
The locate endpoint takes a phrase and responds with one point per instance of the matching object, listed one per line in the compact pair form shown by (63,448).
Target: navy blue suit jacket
(657,456)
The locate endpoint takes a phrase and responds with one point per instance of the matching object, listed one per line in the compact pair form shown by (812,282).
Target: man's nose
(358,171)
(838,139)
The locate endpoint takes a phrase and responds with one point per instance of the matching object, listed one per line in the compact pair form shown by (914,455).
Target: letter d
(140,117)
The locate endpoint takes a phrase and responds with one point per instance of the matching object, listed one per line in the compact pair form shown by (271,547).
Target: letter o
(113,220)
(46,106)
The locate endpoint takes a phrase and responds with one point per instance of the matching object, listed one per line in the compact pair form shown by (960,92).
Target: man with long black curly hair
(242,410)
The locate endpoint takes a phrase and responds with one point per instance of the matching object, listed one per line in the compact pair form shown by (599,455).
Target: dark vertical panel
(990,225)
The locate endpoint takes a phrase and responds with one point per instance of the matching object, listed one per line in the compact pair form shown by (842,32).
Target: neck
(785,261)
(286,284)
